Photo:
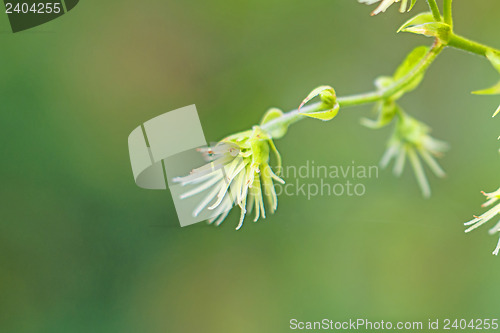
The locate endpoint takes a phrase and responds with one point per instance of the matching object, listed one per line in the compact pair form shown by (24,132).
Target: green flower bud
(327,109)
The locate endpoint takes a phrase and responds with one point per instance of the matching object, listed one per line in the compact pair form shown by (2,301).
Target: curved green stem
(359,99)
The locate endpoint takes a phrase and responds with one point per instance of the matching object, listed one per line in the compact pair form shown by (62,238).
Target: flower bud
(327,109)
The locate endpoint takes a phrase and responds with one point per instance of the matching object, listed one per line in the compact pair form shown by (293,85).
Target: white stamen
(400,162)
(419,173)
(495,229)
(388,155)
(479,221)
(431,162)
(497,250)
(205,202)
(202,187)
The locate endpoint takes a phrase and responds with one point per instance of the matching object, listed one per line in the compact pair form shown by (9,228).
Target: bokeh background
(83,249)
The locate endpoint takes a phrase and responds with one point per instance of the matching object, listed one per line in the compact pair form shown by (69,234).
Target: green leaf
(495,90)
(324,115)
(413,2)
(386,111)
(328,108)
(494,58)
(439,30)
(277,132)
(411,61)
(422,18)
(271,114)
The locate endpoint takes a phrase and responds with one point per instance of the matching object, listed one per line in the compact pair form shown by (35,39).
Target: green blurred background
(83,249)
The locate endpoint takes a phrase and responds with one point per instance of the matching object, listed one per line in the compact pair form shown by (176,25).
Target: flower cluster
(410,139)
(238,173)
(494,211)
(387,3)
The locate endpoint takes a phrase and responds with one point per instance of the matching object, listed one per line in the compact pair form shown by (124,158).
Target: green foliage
(278,131)
(327,109)
(413,2)
(425,24)
(494,90)
(494,59)
(387,108)
(419,19)
(409,64)
(439,30)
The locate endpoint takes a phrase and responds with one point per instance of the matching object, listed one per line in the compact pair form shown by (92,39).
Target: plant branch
(455,41)
(429,58)
(466,44)
(434,9)
(448,17)
(359,99)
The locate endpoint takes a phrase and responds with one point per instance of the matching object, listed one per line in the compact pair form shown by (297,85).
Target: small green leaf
(413,2)
(276,132)
(494,58)
(322,91)
(417,20)
(439,30)
(324,115)
(411,61)
(328,108)
(495,90)
(496,112)
(271,114)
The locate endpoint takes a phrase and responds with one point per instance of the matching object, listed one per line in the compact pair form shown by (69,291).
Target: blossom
(410,139)
(238,173)
(386,4)
(478,221)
